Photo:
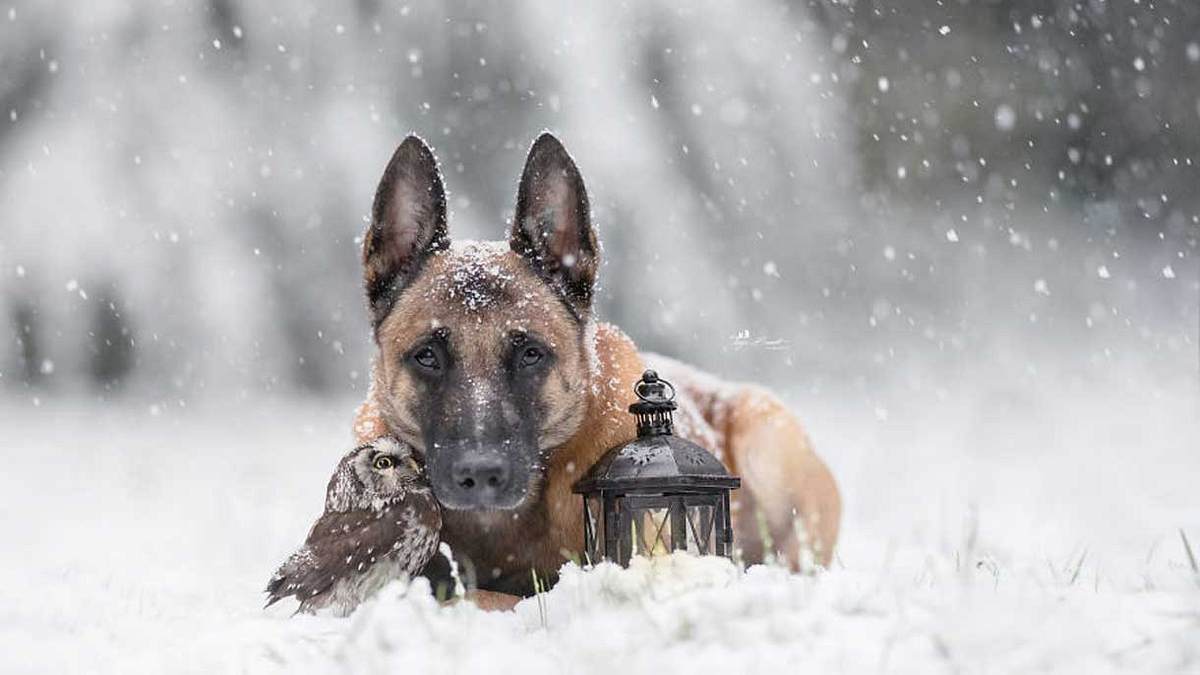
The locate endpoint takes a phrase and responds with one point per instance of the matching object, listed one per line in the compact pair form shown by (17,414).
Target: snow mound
(687,614)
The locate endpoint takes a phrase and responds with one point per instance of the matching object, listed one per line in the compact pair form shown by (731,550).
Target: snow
(690,614)
(1006,117)
(470,262)
(988,529)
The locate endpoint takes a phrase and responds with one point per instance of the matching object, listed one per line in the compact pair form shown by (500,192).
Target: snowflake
(640,456)
(696,456)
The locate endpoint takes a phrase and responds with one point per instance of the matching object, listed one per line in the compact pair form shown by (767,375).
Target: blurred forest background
(817,194)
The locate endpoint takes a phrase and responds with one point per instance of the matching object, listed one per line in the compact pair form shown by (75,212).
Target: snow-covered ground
(1023,528)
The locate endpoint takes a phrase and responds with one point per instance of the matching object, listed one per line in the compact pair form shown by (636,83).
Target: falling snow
(1006,117)
(959,238)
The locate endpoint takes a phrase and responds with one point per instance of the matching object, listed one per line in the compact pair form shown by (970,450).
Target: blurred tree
(111,341)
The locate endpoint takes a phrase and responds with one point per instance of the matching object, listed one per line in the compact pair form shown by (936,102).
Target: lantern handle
(648,378)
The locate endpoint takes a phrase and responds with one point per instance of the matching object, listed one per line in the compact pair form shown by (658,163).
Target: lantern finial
(654,406)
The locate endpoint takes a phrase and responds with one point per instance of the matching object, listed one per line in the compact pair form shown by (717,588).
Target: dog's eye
(384,462)
(530,356)
(427,358)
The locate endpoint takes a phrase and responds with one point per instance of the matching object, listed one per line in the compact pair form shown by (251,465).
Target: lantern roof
(661,462)
(657,459)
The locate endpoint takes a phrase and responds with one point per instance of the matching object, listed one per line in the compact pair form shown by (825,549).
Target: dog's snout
(478,476)
(482,474)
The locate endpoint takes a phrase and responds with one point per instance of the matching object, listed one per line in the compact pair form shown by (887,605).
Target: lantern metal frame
(659,484)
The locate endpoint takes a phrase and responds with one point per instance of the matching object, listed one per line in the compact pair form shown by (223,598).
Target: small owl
(381,522)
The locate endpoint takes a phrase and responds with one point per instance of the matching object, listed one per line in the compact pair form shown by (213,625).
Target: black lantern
(657,493)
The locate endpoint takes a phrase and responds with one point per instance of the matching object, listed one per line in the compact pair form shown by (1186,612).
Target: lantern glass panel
(651,531)
(593,528)
(700,521)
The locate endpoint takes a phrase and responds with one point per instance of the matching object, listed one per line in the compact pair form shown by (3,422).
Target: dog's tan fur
(448,294)
(482,292)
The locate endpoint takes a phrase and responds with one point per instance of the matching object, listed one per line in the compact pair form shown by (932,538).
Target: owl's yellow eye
(384,462)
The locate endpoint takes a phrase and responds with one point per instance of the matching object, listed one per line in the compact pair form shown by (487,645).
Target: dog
(491,363)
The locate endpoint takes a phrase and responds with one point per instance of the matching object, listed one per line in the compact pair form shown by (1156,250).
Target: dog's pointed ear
(408,224)
(552,227)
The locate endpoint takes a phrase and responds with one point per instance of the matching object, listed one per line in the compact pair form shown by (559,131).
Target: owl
(381,522)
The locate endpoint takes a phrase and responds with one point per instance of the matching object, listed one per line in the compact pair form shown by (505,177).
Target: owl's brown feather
(345,545)
(381,522)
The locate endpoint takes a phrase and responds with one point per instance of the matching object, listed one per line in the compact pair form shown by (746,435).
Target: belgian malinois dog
(491,364)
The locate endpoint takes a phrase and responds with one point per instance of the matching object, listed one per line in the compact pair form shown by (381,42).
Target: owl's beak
(412,464)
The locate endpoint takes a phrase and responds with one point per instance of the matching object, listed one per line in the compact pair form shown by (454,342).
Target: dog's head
(483,357)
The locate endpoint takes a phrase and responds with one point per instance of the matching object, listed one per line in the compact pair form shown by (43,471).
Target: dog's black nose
(483,475)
